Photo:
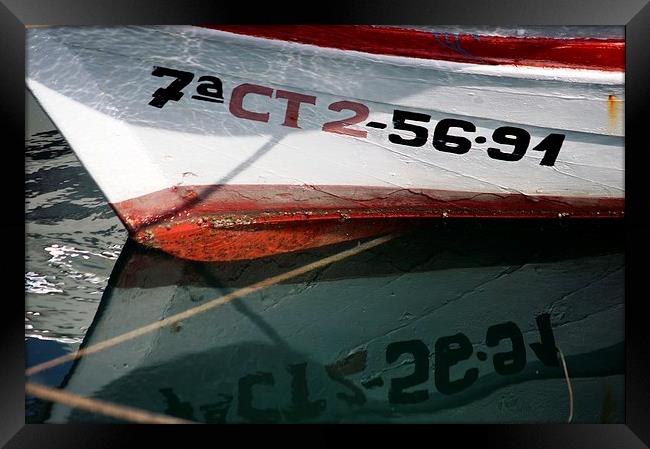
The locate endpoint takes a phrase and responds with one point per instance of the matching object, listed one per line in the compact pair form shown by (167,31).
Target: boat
(443,324)
(222,143)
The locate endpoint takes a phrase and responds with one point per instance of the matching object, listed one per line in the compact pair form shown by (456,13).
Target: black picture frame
(633,14)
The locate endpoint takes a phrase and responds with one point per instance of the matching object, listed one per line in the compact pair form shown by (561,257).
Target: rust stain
(613,110)
(218,225)
(225,238)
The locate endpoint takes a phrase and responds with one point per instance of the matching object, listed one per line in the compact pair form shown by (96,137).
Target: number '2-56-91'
(449,135)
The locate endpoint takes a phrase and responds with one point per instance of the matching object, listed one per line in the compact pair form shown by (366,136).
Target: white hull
(97,85)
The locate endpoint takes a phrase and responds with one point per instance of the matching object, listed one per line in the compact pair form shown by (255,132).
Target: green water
(456,321)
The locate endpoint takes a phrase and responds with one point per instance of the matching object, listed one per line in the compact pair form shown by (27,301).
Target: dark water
(453,322)
(73,240)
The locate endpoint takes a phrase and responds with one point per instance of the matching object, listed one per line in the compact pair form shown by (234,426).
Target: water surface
(369,339)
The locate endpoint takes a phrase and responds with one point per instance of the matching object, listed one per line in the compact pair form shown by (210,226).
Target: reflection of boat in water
(242,142)
(446,324)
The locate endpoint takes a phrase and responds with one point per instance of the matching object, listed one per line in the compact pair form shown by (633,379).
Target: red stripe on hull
(577,53)
(226,222)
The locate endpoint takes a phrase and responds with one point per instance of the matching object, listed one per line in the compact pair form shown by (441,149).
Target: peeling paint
(266,220)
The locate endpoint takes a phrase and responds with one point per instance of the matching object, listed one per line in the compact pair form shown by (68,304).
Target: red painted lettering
(361,112)
(293,106)
(237,100)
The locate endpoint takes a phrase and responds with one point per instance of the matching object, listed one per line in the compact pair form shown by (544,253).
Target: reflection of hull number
(210,88)
(448,351)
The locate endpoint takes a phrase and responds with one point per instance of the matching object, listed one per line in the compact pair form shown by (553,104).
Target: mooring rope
(208,305)
(122,412)
(568,384)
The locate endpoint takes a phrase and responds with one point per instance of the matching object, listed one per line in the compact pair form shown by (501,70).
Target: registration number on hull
(449,135)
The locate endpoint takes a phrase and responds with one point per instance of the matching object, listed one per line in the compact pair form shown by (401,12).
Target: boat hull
(181,124)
